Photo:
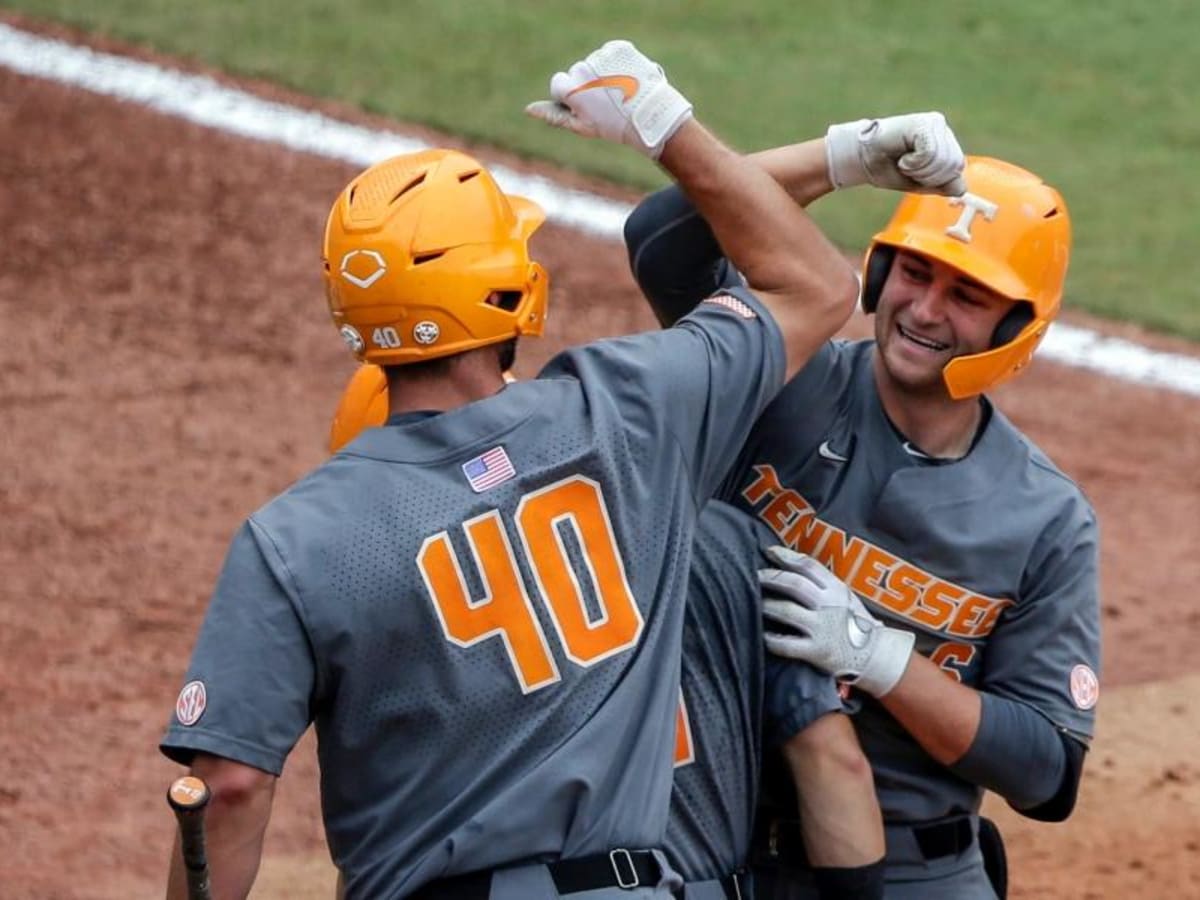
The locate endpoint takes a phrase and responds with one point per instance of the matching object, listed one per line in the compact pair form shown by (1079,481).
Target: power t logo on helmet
(426,257)
(971,205)
(1010,232)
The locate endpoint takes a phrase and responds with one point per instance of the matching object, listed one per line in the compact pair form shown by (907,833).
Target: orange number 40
(506,610)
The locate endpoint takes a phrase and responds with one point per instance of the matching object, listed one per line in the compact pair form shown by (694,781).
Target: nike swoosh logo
(855,633)
(626,84)
(829,453)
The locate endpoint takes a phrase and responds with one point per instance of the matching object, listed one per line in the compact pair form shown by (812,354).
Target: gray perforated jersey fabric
(716,774)
(724,685)
(493,674)
(990,559)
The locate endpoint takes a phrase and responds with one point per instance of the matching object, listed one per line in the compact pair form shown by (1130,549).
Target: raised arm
(795,271)
(674,255)
(786,260)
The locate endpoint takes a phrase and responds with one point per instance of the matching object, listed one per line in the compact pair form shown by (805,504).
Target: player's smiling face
(929,313)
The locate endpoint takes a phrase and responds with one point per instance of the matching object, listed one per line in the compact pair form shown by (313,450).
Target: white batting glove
(916,152)
(832,630)
(617,94)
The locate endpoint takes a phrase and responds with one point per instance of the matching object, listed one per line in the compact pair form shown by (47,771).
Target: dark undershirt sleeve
(1020,755)
(674,256)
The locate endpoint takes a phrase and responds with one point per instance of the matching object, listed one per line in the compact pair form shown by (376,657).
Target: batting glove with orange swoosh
(915,152)
(827,625)
(617,94)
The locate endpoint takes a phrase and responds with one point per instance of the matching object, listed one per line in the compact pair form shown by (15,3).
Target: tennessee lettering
(873,573)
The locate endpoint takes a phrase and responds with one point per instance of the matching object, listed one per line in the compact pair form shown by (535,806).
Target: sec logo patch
(1085,687)
(192,702)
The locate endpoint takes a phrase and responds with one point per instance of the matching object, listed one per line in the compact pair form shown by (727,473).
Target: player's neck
(470,377)
(937,424)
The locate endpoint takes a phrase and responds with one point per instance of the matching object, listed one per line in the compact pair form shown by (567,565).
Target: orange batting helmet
(1012,233)
(425,256)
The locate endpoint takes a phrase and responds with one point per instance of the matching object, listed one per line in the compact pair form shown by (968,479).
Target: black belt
(944,838)
(779,841)
(626,869)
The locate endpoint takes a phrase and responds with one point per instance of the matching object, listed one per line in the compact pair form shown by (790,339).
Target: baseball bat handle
(188,797)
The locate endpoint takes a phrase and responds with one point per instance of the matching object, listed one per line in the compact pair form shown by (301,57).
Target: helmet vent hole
(408,187)
(467,176)
(426,257)
(505,300)
(1051,214)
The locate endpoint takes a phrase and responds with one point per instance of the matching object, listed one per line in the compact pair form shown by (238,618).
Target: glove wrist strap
(843,160)
(889,660)
(658,115)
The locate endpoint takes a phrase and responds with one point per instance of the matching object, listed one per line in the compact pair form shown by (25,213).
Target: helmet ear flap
(1013,323)
(875,273)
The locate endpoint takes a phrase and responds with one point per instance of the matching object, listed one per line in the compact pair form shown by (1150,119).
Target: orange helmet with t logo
(425,256)
(1010,232)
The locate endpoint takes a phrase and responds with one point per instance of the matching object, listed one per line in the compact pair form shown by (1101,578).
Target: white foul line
(204,101)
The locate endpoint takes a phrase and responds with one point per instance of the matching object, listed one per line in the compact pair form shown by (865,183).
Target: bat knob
(188,794)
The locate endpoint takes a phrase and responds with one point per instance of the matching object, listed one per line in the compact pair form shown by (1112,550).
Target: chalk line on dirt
(204,101)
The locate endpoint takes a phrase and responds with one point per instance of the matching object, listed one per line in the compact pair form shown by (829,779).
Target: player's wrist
(657,117)
(844,165)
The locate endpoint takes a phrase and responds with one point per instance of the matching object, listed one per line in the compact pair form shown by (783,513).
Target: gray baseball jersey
(482,611)
(719,741)
(991,560)
(716,775)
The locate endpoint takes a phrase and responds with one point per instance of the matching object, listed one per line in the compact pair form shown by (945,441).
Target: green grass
(1097,97)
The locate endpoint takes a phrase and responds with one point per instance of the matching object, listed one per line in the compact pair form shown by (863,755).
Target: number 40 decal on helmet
(385,337)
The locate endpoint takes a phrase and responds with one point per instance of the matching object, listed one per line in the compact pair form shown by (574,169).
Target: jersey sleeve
(674,256)
(1045,650)
(252,662)
(795,696)
(697,386)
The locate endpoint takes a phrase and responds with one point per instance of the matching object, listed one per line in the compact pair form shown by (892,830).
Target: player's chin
(914,370)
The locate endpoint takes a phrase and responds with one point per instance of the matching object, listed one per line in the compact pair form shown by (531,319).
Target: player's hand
(826,625)
(916,152)
(617,94)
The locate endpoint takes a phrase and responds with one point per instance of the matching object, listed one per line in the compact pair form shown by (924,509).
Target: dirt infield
(168,366)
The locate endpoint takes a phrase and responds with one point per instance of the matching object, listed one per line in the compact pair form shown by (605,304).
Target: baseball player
(911,500)
(480,605)
(718,723)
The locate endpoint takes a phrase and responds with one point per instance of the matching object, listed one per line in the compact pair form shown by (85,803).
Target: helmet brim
(959,256)
(530,215)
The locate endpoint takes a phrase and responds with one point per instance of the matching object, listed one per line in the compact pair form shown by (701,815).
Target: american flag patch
(488,469)
(733,304)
